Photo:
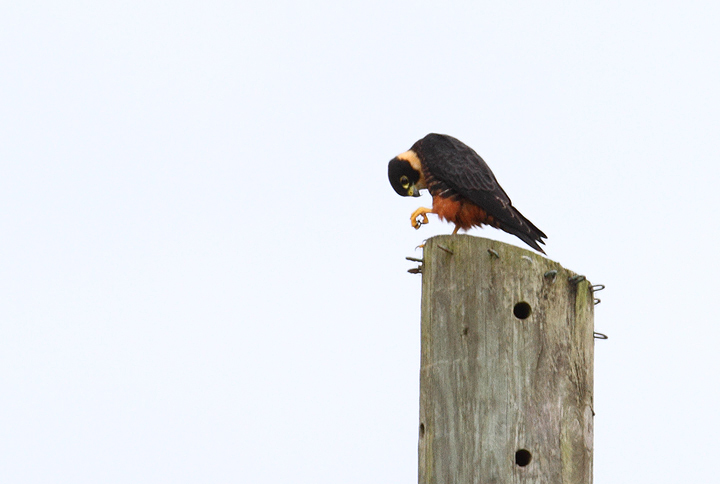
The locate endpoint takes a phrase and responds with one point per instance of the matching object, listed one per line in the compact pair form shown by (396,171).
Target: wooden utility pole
(506,379)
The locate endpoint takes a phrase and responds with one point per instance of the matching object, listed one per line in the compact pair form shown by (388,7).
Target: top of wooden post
(506,377)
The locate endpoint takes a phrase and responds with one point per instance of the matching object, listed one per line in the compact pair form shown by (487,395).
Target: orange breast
(462,213)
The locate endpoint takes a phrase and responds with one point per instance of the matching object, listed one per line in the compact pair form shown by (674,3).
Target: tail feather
(525,230)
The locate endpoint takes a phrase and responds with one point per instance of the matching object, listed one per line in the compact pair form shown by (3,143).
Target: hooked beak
(413,191)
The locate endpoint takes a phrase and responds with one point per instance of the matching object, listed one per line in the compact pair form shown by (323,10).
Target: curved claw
(418,223)
(420,212)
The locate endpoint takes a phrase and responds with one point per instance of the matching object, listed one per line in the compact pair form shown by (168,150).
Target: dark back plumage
(453,169)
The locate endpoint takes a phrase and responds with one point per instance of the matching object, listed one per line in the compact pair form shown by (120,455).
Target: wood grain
(493,384)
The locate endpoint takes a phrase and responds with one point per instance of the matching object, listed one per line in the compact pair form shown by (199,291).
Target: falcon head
(404,172)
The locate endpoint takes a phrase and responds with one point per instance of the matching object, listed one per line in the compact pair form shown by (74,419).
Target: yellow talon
(420,212)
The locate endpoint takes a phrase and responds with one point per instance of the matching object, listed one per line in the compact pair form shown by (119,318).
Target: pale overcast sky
(203,269)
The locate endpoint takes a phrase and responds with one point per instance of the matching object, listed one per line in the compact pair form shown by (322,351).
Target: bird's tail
(525,230)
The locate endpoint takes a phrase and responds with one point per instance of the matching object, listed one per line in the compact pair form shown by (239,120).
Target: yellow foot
(420,212)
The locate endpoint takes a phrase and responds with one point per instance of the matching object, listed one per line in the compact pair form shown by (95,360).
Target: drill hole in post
(422,430)
(522,310)
(523,457)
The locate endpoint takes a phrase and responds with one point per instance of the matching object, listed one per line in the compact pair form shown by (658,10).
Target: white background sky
(203,264)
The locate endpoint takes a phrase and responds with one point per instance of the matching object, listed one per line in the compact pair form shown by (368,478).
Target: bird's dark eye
(404,181)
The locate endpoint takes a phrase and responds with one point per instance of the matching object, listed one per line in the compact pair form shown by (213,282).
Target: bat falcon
(464,190)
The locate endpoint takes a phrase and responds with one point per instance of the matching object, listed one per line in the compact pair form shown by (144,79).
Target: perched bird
(464,190)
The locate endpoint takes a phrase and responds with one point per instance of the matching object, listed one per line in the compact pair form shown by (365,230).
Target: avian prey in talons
(464,190)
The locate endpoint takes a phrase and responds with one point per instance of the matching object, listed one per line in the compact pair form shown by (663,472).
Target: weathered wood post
(506,379)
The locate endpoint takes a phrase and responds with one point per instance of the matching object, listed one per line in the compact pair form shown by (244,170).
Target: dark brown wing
(456,169)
